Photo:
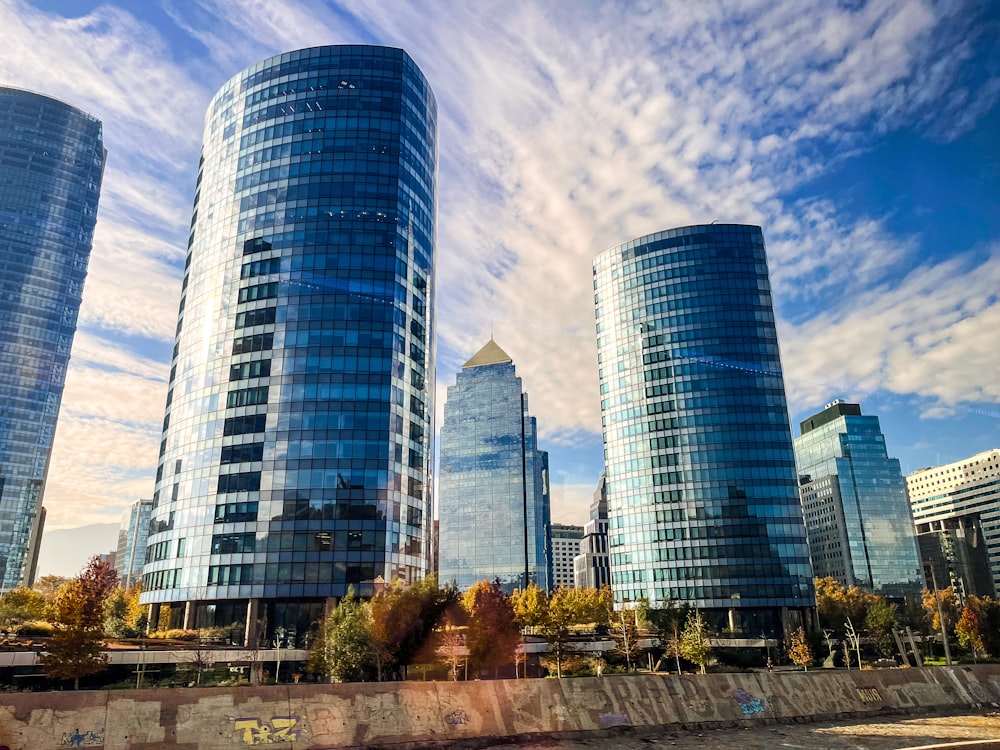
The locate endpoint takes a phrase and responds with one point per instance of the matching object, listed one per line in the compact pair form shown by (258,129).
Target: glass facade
(702,499)
(296,452)
(854,500)
(132,534)
(494,515)
(51,165)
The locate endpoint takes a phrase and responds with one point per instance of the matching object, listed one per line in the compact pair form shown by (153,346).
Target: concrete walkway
(970,731)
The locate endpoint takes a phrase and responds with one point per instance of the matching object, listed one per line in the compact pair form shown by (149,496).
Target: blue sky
(861,136)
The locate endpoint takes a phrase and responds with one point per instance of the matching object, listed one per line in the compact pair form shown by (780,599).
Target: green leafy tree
(880,622)
(556,617)
(666,622)
(694,644)
(568,609)
(76,649)
(531,607)
(124,616)
(21,605)
(343,650)
(799,651)
(492,634)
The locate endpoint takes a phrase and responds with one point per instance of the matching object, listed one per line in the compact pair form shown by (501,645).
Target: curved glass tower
(52,161)
(702,495)
(296,452)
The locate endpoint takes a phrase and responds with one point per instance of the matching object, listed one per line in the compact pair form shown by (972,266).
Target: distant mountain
(64,552)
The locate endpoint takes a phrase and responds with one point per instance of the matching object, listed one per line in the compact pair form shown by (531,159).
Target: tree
(555,617)
(624,625)
(343,650)
(48,586)
(853,642)
(694,645)
(530,606)
(76,649)
(20,605)
(880,621)
(968,629)
(492,635)
(666,622)
(799,652)
(403,618)
(116,614)
(978,628)
(451,639)
(950,606)
(836,603)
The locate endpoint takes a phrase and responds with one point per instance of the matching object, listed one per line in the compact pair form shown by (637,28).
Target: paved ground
(884,733)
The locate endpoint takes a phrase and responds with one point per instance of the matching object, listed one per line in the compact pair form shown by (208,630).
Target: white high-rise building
(964,488)
(565,547)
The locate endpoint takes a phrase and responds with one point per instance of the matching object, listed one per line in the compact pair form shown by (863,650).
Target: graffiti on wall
(748,704)
(456,717)
(869,694)
(277,729)
(81,739)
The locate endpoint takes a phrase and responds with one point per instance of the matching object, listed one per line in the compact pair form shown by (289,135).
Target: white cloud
(932,334)
(107,438)
(562,133)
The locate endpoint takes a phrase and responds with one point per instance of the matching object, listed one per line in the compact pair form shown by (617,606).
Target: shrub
(175,634)
(36,628)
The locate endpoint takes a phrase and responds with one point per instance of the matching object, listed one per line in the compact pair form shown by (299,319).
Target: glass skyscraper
(132,534)
(702,500)
(51,165)
(494,482)
(296,452)
(854,500)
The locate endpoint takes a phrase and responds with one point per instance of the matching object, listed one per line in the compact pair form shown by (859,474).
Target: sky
(862,137)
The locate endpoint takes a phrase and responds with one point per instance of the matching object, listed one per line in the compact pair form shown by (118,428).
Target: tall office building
(52,162)
(854,500)
(296,452)
(702,498)
(493,485)
(959,501)
(132,534)
(592,566)
(566,540)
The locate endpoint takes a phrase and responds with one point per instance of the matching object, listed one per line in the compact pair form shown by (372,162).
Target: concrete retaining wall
(296,717)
